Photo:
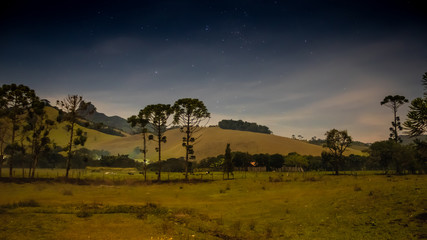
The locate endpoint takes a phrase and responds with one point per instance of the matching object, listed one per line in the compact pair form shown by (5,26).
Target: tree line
(243,126)
(25,129)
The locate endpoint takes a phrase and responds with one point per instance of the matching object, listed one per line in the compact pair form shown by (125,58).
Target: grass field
(252,206)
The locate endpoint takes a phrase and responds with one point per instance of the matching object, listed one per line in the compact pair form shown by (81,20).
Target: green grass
(260,206)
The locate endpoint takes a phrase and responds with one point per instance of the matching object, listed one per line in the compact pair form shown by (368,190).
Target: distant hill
(113,122)
(354,145)
(406,139)
(212,143)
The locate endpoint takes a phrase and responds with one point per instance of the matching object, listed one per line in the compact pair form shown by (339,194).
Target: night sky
(299,67)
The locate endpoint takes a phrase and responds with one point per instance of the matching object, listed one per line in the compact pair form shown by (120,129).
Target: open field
(260,206)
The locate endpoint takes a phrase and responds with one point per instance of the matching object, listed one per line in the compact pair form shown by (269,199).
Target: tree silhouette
(337,142)
(157,115)
(142,122)
(416,124)
(39,126)
(228,164)
(69,111)
(394,102)
(15,101)
(4,135)
(189,113)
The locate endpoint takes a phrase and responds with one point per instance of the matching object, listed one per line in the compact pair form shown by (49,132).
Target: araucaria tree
(416,124)
(15,101)
(69,108)
(157,115)
(228,164)
(39,126)
(189,113)
(337,142)
(142,122)
(394,102)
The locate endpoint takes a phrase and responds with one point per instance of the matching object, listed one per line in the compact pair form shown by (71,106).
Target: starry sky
(298,67)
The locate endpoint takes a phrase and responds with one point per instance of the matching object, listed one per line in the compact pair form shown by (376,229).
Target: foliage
(394,102)
(171,165)
(15,102)
(243,126)
(228,163)
(189,113)
(69,111)
(337,142)
(416,124)
(392,155)
(39,125)
(157,115)
(294,159)
(141,122)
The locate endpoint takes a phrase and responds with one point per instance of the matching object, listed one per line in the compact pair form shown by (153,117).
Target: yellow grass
(260,206)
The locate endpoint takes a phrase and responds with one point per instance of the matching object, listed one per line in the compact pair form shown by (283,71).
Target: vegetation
(260,206)
(15,102)
(394,102)
(142,123)
(158,115)
(337,142)
(243,126)
(189,113)
(228,164)
(70,107)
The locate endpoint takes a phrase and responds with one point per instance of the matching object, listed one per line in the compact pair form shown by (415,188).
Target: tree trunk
(68,165)
(13,148)
(187,148)
(145,155)
(160,155)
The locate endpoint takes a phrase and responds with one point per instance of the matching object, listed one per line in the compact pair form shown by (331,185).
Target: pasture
(252,206)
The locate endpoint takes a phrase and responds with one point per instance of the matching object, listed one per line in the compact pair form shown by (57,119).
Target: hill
(113,122)
(212,142)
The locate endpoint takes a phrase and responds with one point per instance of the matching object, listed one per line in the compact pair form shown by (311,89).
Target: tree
(4,135)
(39,126)
(189,113)
(69,111)
(228,163)
(337,142)
(394,102)
(416,124)
(157,115)
(15,100)
(276,161)
(141,122)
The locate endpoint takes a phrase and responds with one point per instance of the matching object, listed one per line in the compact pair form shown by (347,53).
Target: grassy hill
(212,142)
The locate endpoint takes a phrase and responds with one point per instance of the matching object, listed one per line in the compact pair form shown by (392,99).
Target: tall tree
(4,135)
(142,122)
(157,115)
(39,126)
(70,106)
(228,163)
(189,113)
(337,142)
(15,100)
(416,124)
(394,102)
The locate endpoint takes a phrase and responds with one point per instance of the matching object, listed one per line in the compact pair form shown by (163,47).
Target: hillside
(113,122)
(212,143)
